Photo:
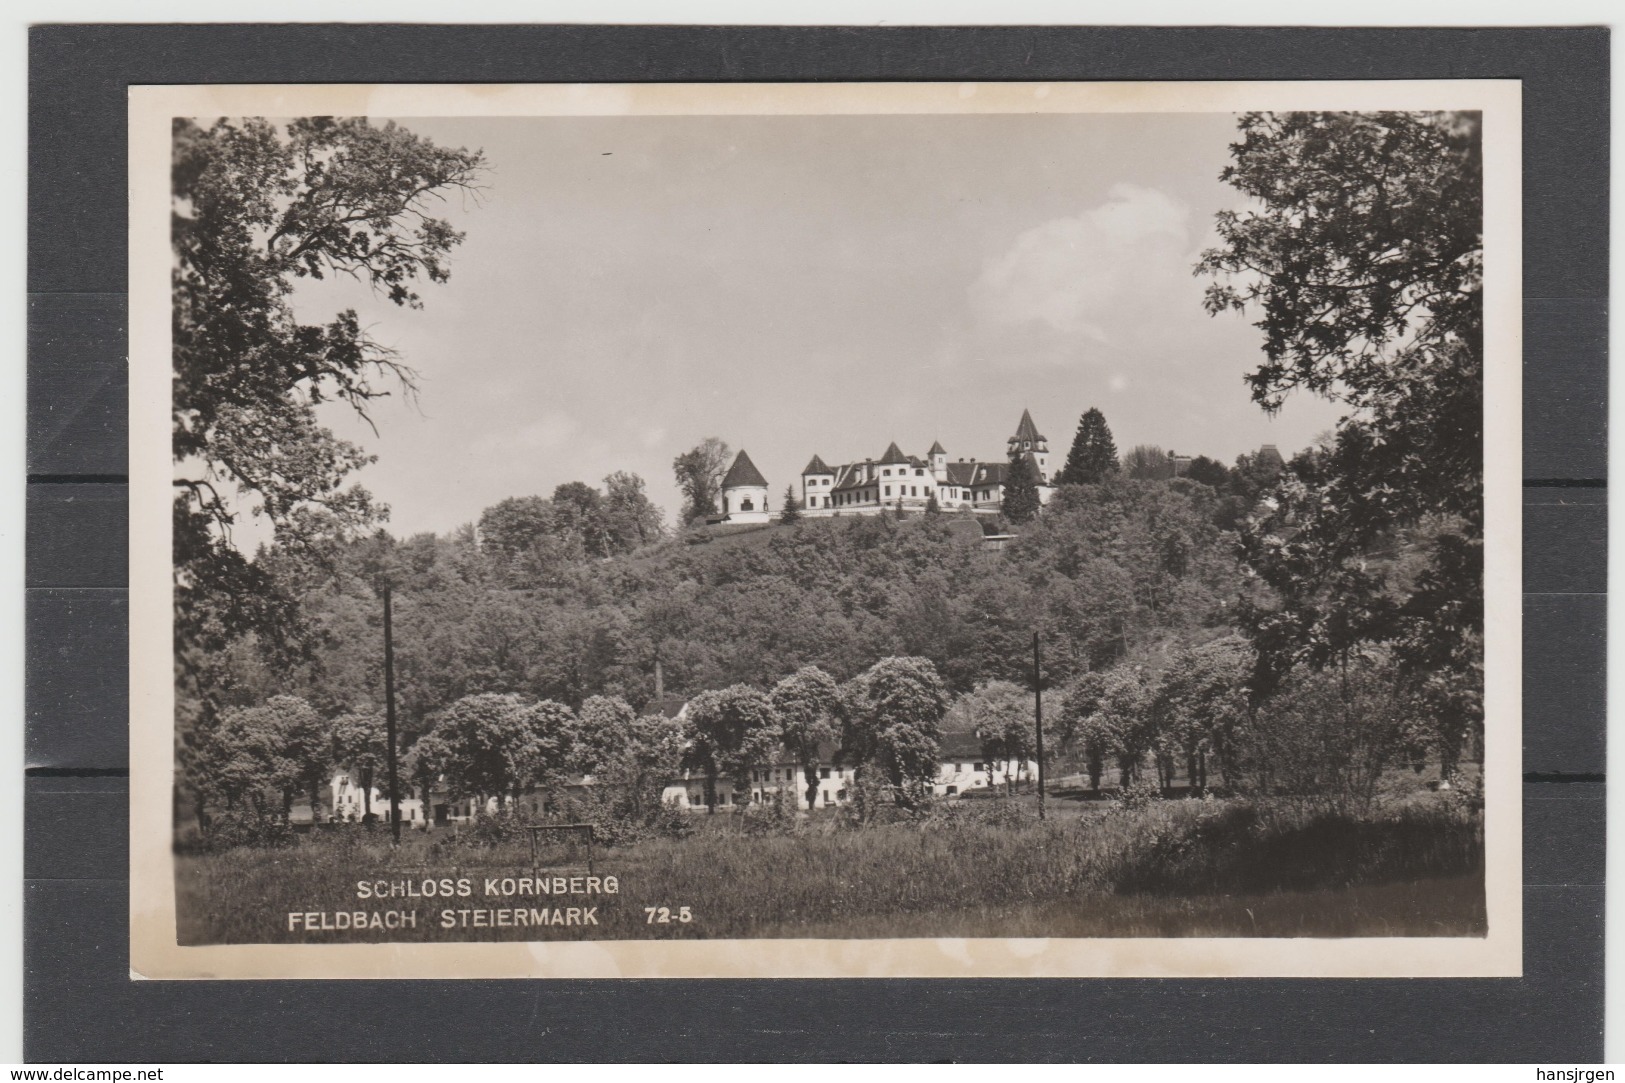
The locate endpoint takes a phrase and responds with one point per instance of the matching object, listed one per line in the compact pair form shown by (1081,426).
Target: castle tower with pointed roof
(1027,440)
(744,492)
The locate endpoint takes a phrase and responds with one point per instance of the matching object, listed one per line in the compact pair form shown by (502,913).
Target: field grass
(1171,868)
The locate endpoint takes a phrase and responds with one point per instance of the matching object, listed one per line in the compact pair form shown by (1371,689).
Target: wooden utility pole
(389,721)
(1038,712)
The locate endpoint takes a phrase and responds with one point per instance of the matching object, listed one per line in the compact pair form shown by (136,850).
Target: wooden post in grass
(389,722)
(1038,713)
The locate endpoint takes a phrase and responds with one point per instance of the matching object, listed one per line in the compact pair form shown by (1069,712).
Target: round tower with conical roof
(744,492)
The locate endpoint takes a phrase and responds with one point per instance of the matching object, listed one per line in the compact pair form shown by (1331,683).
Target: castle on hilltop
(894,480)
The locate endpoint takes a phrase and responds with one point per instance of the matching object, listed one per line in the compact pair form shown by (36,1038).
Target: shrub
(247,827)
(1325,738)
(1245,846)
(774,816)
(1134,796)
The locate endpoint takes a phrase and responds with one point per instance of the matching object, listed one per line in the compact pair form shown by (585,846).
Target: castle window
(919,473)
(888,490)
(745,505)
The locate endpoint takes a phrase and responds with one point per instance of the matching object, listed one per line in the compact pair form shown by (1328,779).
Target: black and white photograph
(949,529)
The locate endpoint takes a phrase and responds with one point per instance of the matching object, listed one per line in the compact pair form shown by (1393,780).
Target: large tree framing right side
(1366,262)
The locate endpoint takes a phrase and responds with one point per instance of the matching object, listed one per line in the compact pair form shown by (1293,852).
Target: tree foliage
(807,707)
(1147,462)
(282,747)
(360,743)
(699,473)
(488,747)
(1094,453)
(257,207)
(1001,716)
(731,731)
(894,722)
(1365,263)
(1021,502)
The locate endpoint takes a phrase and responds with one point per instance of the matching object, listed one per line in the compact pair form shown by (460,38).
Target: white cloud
(1084,275)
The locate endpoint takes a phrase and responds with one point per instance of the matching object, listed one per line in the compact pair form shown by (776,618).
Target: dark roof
(1027,430)
(937,448)
(816,467)
(894,454)
(976,473)
(853,480)
(743,473)
(960,745)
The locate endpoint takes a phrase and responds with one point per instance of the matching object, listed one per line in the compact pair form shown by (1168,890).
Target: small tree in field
(1200,701)
(550,745)
(360,743)
(729,732)
(894,722)
(807,705)
(652,750)
(1106,715)
(486,746)
(931,505)
(1094,453)
(282,748)
(600,730)
(424,763)
(1000,713)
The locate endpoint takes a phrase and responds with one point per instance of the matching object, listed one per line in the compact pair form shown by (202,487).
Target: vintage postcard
(872,530)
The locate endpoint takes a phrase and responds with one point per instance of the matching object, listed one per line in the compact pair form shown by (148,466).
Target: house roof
(816,467)
(960,745)
(937,448)
(1027,430)
(976,473)
(743,474)
(894,454)
(852,479)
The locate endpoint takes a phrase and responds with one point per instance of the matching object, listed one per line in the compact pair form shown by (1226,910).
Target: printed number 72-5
(663,915)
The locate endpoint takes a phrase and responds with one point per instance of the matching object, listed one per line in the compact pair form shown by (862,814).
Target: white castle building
(894,480)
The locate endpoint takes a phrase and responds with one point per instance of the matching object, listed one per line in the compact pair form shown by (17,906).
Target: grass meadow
(1229,867)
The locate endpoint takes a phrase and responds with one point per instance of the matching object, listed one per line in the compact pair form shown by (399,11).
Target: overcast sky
(629,286)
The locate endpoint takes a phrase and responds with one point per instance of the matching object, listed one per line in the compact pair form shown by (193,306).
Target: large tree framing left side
(258,205)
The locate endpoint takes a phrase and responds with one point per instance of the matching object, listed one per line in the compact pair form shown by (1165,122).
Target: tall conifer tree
(1021,501)
(791,512)
(1093,454)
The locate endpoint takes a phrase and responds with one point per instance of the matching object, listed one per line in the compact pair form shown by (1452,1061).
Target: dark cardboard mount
(80,1004)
